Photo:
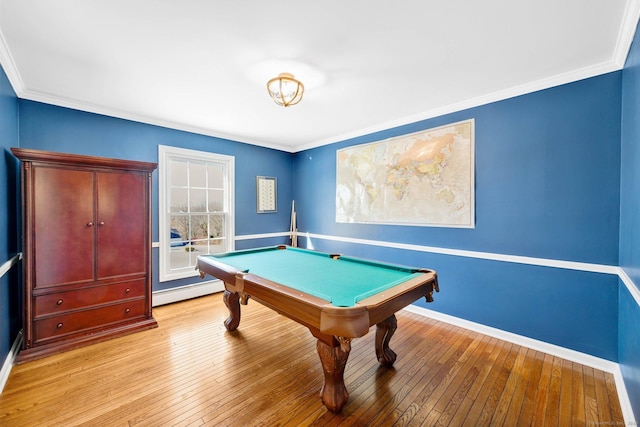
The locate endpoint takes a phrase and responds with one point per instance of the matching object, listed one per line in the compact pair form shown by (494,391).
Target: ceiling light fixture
(285,90)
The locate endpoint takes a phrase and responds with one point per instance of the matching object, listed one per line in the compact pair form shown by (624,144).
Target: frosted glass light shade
(285,90)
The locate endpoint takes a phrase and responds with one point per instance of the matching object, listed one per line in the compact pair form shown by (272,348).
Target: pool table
(337,297)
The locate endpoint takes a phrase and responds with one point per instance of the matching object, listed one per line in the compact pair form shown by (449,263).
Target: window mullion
(183,250)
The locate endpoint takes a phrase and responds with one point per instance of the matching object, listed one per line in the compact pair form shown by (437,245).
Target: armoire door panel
(64,231)
(86,245)
(122,226)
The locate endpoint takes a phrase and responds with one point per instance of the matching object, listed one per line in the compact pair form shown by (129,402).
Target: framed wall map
(424,179)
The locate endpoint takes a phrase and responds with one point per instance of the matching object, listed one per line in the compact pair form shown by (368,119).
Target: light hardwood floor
(191,372)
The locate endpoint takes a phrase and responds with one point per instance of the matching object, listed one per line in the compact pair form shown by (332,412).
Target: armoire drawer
(83,321)
(86,248)
(87,297)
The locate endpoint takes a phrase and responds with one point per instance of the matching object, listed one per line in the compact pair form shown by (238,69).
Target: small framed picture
(266,194)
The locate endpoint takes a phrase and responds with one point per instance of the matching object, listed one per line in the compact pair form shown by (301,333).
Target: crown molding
(9,66)
(623,44)
(74,104)
(627,32)
(557,80)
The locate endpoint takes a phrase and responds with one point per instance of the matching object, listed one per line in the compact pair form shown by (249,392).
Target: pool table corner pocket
(344,321)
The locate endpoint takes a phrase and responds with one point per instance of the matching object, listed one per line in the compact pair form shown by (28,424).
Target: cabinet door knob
(89,224)
(101,223)
(59,325)
(59,302)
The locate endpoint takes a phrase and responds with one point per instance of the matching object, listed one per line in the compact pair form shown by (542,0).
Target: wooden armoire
(86,224)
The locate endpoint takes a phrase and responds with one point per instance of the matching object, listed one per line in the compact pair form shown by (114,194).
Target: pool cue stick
(295,230)
(292,226)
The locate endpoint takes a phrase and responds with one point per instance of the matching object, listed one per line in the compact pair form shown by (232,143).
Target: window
(196,208)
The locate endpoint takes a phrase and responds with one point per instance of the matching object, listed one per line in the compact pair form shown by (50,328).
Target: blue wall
(547,177)
(547,186)
(47,127)
(9,194)
(629,321)
(555,178)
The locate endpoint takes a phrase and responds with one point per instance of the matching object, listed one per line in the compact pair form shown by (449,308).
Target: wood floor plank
(462,376)
(427,400)
(590,397)
(491,405)
(392,394)
(419,379)
(512,378)
(604,412)
(614,400)
(419,383)
(491,354)
(566,394)
(191,372)
(359,406)
(577,396)
(458,405)
(529,398)
(515,388)
(552,416)
(473,417)
(543,391)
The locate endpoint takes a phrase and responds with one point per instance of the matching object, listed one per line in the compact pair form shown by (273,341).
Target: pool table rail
(312,311)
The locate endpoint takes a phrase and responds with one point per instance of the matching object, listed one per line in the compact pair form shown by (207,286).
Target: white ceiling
(368,65)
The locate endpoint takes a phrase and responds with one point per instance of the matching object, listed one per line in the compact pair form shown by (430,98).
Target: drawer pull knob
(59,302)
(59,325)
(126,291)
(127,311)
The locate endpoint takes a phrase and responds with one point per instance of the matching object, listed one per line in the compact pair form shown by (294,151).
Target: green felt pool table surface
(342,280)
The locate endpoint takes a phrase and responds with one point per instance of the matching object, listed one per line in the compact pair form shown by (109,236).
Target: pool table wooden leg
(384,332)
(232,301)
(334,359)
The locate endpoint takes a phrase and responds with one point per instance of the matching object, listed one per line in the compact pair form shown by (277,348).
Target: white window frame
(165,155)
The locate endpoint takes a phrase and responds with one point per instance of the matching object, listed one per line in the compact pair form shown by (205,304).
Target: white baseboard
(200,289)
(8,362)
(193,291)
(554,350)
(182,293)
